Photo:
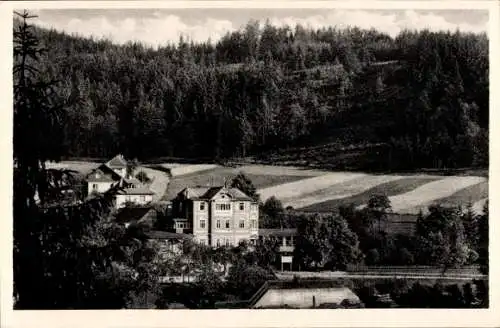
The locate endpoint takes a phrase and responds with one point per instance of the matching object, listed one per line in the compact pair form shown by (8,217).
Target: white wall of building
(100,187)
(121,171)
(137,199)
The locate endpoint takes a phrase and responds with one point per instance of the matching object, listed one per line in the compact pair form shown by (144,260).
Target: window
(228,225)
(202,224)
(202,206)
(223,207)
(143,198)
(242,224)
(218,242)
(242,206)
(94,186)
(253,224)
(203,242)
(228,243)
(218,224)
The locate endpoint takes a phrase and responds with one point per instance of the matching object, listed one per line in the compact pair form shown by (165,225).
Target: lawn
(389,189)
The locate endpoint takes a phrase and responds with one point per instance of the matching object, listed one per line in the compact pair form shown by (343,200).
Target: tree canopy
(422,95)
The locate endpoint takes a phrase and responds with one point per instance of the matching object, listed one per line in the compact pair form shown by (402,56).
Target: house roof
(133,181)
(117,162)
(278,232)
(158,234)
(208,193)
(106,175)
(136,191)
(100,177)
(132,214)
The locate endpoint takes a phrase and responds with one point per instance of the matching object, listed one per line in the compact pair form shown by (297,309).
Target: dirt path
(159,183)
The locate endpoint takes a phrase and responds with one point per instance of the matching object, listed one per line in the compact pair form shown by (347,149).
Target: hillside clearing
(81,167)
(340,190)
(280,170)
(388,188)
(293,190)
(430,192)
(184,169)
(218,175)
(476,195)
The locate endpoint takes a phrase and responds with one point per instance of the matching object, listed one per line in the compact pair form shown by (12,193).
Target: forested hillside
(417,100)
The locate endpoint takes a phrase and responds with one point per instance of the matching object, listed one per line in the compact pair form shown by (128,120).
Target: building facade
(114,173)
(135,195)
(216,216)
(286,241)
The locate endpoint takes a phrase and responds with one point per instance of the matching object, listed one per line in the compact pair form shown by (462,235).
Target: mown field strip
(81,167)
(431,192)
(302,187)
(189,169)
(478,207)
(389,189)
(280,170)
(470,195)
(340,190)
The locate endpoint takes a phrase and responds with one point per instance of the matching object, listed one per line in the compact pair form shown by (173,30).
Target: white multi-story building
(216,216)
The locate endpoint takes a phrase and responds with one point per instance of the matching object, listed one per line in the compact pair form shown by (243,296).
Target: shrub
(372,257)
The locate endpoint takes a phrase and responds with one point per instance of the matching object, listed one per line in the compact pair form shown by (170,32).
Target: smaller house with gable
(114,174)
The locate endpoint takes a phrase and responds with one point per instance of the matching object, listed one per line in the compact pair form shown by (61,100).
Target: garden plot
(340,190)
(421,197)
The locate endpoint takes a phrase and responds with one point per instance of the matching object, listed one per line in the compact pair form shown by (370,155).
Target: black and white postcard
(210,161)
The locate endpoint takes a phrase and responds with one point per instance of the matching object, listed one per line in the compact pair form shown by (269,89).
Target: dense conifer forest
(419,100)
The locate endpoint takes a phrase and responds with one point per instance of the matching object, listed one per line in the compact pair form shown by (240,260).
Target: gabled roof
(133,181)
(136,191)
(208,193)
(117,162)
(132,214)
(103,174)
